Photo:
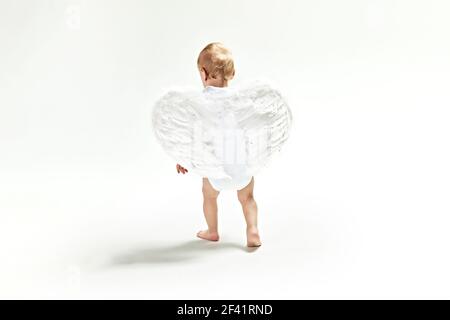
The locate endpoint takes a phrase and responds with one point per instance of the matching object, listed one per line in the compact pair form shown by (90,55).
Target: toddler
(224,134)
(216,68)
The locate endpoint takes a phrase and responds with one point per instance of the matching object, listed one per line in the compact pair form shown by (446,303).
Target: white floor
(342,216)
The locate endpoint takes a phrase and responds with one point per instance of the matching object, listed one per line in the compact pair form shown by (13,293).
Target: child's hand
(181,169)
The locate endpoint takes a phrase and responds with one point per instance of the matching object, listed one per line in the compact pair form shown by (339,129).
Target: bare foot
(253,239)
(207,235)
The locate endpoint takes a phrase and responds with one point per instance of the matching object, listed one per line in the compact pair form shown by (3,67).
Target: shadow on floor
(173,254)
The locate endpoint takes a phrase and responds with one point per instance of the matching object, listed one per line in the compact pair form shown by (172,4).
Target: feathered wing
(189,126)
(265,119)
(184,127)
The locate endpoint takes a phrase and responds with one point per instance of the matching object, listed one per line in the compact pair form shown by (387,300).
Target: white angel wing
(265,118)
(182,125)
(190,127)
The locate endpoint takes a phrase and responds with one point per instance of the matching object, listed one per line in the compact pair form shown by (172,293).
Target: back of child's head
(217,61)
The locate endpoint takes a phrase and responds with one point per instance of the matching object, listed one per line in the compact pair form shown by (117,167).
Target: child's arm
(181,169)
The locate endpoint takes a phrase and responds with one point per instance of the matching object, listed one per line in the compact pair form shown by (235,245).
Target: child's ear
(204,74)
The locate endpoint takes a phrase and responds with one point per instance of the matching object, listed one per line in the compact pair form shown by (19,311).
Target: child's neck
(217,83)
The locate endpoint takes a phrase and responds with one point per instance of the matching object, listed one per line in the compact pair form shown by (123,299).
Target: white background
(356,206)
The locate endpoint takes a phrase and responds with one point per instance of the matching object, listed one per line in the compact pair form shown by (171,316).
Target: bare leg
(250,210)
(210,211)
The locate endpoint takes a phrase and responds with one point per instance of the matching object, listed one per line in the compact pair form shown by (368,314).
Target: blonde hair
(217,60)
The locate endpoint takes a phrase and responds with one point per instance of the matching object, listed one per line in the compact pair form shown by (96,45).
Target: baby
(216,67)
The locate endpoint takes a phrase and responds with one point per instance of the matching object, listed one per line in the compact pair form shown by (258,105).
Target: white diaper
(235,183)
